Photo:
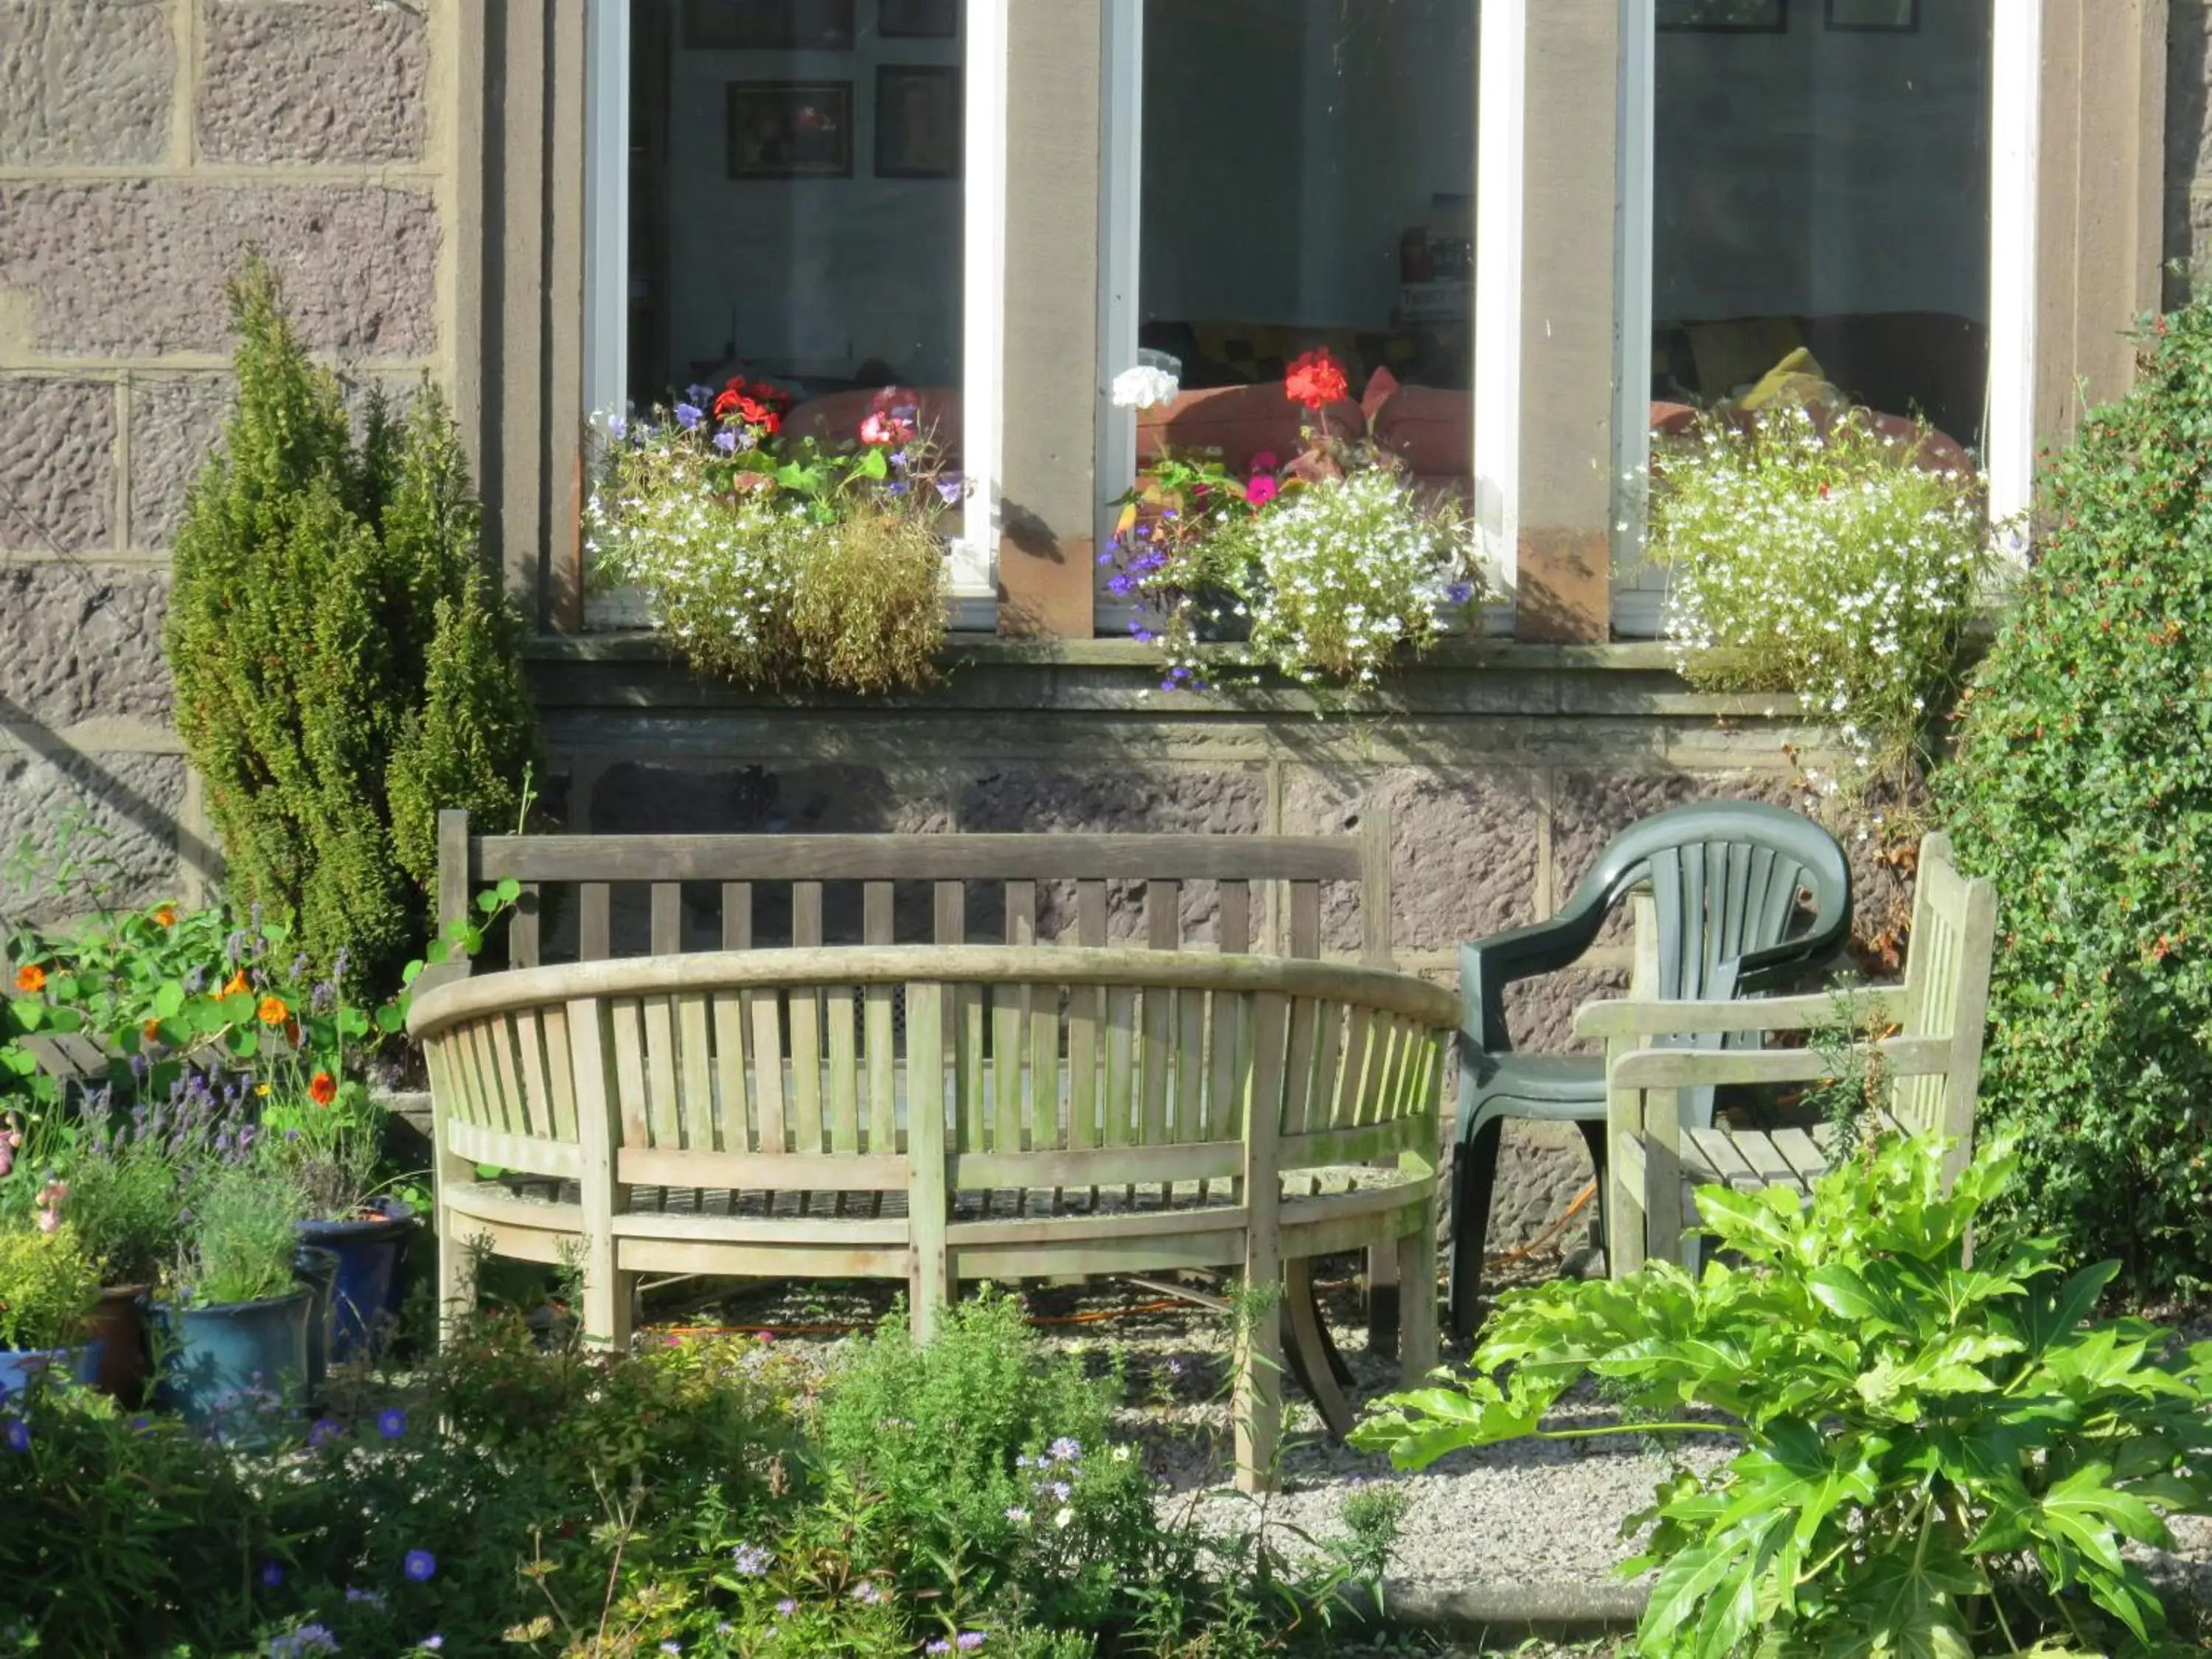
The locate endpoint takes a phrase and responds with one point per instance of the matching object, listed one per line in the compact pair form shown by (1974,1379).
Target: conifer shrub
(344,666)
(2082,787)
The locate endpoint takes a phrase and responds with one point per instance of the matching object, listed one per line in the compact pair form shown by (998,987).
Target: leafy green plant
(343,666)
(1941,1455)
(2082,787)
(1821,560)
(242,1238)
(771,562)
(48,1283)
(125,1200)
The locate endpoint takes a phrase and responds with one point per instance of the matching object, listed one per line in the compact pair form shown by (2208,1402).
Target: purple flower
(671,1647)
(1460,593)
(1119,583)
(391,1422)
(371,1598)
(940,1646)
(868,1595)
(1059,1489)
(898,459)
(698,394)
(322,1431)
(969,1641)
(950,487)
(617,428)
(272,1575)
(727,441)
(15,1436)
(751,1560)
(305,1639)
(688,415)
(1107,557)
(419,1566)
(786,1607)
(897,487)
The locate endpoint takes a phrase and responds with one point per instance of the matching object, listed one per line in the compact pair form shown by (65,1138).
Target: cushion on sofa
(1240,421)
(834,420)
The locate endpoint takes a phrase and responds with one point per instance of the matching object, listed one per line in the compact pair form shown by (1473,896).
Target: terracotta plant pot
(118,1325)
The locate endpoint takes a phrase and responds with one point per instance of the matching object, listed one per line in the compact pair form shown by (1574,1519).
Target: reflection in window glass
(796,203)
(1822,185)
(1308,180)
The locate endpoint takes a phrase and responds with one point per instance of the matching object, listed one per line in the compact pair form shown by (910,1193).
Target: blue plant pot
(228,1366)
(20,1366)
(368,1251)
(317,1269)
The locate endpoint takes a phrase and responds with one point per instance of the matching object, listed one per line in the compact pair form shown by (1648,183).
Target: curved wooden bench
(938,1113)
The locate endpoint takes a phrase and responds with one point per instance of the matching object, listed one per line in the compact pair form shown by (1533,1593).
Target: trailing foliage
(1940,1458)
(2082,787)
(343,666)
(1821,560)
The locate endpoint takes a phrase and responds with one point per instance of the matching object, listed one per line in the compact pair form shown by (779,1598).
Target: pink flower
(1261,490)
(1266,461)
(49,1221)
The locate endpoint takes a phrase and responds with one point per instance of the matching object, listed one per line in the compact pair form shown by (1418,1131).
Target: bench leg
(609,1296)
(1416,1289)
(456,1274)
(1257,1405)
(1312,1356)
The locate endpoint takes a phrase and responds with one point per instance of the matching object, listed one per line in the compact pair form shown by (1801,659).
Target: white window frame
(972,555)
(1499,92)
(2010,412)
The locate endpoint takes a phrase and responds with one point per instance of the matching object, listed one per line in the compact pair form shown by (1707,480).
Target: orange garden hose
(1588,1193)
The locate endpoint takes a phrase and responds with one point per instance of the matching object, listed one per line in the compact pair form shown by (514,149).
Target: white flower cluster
(1349,569)
(707,562)
(1828,564)
(1144,387)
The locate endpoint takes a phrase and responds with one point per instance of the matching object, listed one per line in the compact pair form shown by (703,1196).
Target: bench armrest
(1615,1018)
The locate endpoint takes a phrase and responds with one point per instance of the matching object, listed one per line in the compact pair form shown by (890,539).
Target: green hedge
(2082,785)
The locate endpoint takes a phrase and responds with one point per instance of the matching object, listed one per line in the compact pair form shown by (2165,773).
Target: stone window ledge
(636,670)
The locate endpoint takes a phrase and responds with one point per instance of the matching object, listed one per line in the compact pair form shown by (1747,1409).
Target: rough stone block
(138,267)
(1540,1013)
(85,82)
(175,425)
(132,800)
(82,643)
(313,81)
(1463,849)
(57,465)
(1159,800)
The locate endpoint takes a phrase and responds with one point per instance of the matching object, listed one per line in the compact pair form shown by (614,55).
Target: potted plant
(326,1141)
(234,1314)
(124,1201)
(47,1288)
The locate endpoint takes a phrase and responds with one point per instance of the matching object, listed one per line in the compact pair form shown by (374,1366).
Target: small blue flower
(698,394)
(272,1575)
(419,1566)
(950,487)
(751,1560)
(1064,1451)
(321,1432)
(391,1422)
(1460,593)
(688,415)
(16,1435)
(727,441)
(897,487)
(617,428)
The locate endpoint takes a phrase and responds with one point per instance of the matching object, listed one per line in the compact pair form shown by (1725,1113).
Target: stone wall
(145,146)
(1505,769)
(2188,147)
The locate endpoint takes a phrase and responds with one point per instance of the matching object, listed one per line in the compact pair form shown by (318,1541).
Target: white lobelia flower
(1144,387)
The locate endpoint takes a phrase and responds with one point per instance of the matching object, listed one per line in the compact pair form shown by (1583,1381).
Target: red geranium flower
(1316,380)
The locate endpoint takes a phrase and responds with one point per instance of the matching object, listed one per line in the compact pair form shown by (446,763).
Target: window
(790,208)
(1306,181)
(1817,194)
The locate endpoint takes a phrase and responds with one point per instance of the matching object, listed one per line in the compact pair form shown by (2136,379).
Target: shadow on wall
(2187,53)
(156,847)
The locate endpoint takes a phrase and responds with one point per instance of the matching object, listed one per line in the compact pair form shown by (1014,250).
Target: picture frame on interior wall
(769,24)
(1725,16)
(919,19)
(1874,16)
(918,121)
(790,129)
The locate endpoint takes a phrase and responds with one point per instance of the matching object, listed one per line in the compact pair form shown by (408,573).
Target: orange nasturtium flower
(236,983)
(30,979)
(323,1089)
(165,915)
(273,1012)
(151,1030)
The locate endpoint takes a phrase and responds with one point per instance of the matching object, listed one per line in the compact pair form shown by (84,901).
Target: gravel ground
(1533,1514)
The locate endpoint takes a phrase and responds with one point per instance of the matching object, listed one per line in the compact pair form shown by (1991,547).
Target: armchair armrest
(1626,1019)
(1487,966)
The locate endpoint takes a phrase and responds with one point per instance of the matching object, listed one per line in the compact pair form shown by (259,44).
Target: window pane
(1309,181)
(796,192)
(1822,182)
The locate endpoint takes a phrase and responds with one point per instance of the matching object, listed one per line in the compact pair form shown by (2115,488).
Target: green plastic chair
(1728,880)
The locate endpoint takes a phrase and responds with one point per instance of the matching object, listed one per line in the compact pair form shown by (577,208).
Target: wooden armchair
(1924,1073)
